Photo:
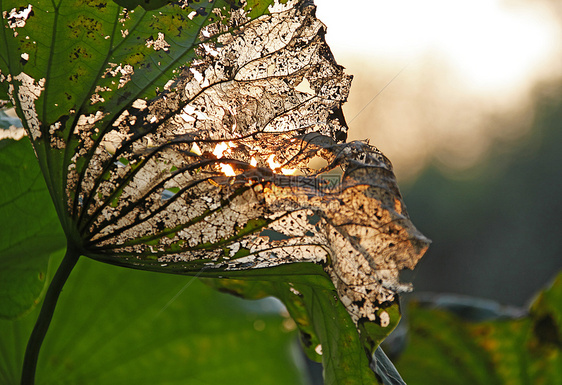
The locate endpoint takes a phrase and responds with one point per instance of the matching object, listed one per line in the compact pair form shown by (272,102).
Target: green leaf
(29,230)
(119,326)
(327,330)
(444,348)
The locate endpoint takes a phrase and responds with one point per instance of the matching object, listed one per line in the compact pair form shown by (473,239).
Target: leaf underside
(29,229)
(209,139)
(100,336)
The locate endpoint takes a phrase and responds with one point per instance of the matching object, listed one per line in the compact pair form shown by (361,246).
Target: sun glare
(491,44)
(219,152)
(274,165)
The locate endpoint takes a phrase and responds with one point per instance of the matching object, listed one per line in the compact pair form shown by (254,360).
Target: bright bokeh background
(451,65)
(464,97)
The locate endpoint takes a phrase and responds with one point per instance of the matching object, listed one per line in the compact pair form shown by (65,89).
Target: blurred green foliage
(444,348)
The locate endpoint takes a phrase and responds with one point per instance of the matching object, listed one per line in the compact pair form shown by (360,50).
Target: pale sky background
(461,73)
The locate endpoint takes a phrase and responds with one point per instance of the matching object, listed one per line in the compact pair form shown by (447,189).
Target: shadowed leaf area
(208,139)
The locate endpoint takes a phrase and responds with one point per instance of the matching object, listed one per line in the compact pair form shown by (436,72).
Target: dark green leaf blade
(160,332)
(29,229)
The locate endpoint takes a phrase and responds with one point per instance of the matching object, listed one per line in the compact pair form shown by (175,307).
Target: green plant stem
(46,314)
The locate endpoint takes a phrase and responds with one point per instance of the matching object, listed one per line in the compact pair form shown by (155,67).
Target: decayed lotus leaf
(241,163)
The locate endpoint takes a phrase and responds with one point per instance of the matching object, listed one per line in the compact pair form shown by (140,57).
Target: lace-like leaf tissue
(238,163)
